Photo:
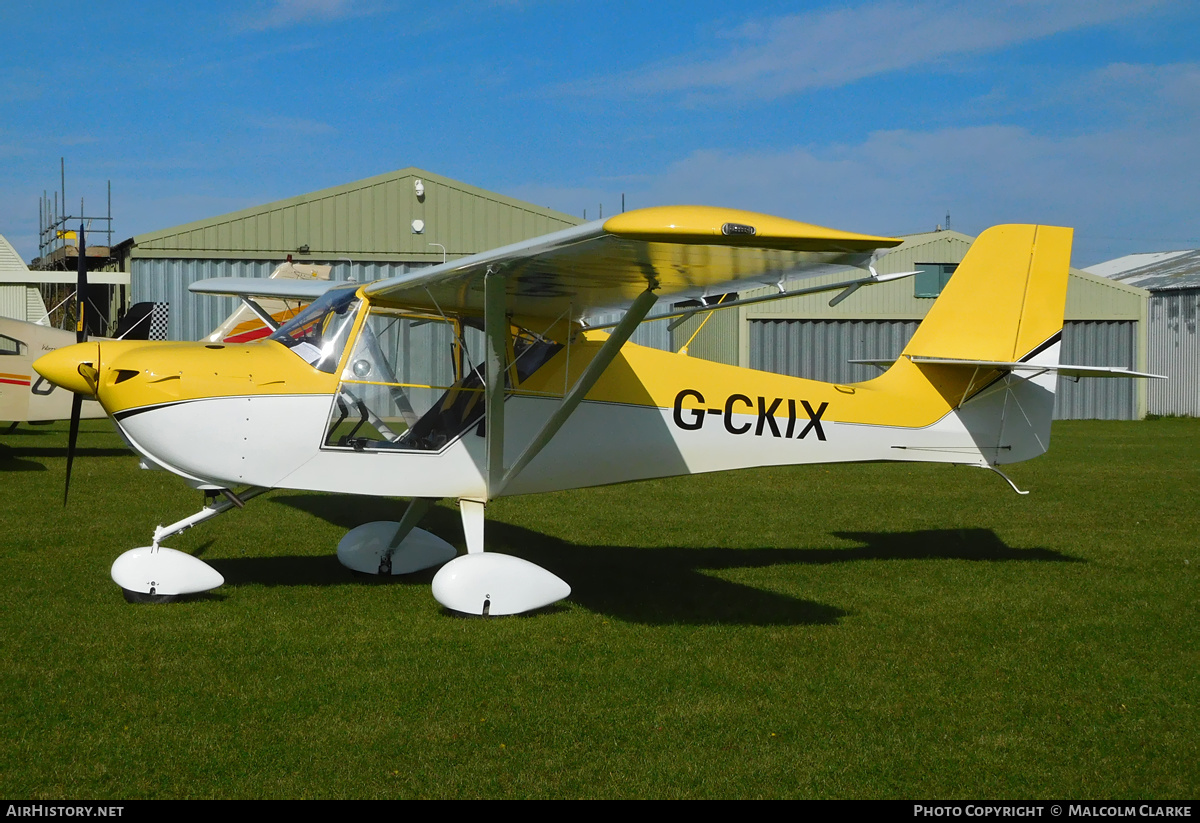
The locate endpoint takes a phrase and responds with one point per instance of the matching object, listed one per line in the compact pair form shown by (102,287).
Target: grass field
(853,631)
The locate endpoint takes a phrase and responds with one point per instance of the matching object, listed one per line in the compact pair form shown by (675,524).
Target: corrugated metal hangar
(1173,280)
(20,298)
(374,228)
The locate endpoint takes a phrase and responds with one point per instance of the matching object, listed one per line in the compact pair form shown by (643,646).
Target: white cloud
(1128,183)
(301,126)
(285,13)
(1164,94)
(1129,189)
(20,84)
(831,48)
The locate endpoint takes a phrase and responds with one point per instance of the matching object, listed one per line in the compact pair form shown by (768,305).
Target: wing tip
(712,225)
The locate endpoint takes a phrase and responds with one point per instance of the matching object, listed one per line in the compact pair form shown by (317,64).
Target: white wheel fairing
(163,571)
(363,547)
(496,584)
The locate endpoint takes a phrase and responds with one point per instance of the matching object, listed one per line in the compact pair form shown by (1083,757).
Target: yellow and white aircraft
(481,378)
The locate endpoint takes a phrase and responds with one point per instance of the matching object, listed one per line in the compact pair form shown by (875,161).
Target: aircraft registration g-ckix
(766,415)
(484,377)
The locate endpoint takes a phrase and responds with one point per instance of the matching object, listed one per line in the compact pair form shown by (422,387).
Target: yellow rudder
(1006,298)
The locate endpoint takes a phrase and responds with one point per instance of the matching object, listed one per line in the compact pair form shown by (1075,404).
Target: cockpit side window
(10,346)
(414,382)
(401,363)
(319,333)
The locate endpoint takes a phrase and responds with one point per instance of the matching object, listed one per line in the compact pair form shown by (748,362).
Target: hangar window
(932,279)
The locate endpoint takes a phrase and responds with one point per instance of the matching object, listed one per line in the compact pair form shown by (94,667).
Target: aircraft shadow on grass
(24,459)
(647,585)
(26,456)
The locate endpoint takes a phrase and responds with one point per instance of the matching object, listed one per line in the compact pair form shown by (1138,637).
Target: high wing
(287,282)
(246,323)
(680,252)
(677,251)
(262,287)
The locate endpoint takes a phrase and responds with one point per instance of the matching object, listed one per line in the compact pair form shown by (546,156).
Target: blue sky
(877,116)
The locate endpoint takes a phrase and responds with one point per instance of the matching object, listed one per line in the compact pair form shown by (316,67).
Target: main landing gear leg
(386,547)
(486,583)
(156,574)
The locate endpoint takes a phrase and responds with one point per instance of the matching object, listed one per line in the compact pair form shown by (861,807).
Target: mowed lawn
(828,631)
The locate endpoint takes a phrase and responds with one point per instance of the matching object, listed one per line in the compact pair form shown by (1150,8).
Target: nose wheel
(156,574)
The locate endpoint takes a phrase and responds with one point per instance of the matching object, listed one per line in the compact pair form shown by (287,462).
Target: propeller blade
(81,285)
(76,410)
(81,291)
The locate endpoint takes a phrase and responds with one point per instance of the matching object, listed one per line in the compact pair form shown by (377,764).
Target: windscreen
(318,334)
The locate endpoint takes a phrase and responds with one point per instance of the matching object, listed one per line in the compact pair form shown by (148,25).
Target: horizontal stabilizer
(1002,365)
(1063,369)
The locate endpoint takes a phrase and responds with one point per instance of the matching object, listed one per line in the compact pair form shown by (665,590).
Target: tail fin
(1000,314)
(1005,300)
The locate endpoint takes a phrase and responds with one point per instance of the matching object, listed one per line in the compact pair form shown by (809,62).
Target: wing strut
(412,516)
(495,329)
(259,312)
(608,352)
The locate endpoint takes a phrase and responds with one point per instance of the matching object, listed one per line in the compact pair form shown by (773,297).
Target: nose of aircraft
(74,368)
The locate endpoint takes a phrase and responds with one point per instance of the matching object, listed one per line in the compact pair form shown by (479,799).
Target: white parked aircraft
(481,378)
(24,396)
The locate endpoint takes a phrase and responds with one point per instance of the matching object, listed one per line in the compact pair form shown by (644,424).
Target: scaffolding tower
(58,246)
(58,250)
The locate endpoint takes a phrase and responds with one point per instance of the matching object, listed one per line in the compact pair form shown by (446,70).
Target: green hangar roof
(405,216)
